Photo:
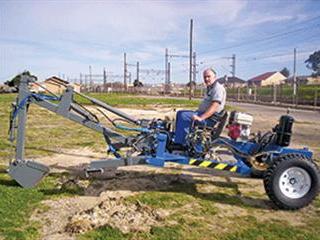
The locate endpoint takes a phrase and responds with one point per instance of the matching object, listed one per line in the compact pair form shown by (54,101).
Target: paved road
(299,115)
(256,109)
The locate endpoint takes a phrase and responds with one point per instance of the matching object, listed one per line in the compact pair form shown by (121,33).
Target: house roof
(231,80)
(57,80)
(262,77)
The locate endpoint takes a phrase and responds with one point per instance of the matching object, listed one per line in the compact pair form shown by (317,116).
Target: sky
(64,38)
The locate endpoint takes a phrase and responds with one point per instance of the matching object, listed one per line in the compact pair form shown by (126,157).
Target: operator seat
(215,124)
(220,120)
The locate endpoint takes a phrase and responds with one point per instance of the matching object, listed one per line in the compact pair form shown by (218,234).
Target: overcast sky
(65,37)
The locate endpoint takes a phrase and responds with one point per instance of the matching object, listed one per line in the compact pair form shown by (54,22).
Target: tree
(137,83)
(313,63)
(14,82)
(193,84)
(285,72)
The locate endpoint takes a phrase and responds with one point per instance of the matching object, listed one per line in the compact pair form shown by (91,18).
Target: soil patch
(114,212)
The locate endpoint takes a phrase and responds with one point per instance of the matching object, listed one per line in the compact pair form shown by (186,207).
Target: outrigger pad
(28,173)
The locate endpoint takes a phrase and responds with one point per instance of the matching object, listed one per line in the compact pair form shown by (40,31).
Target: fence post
(255,93)
(280,93)
(297,96)
(238,94)
(315,99)
(274,93)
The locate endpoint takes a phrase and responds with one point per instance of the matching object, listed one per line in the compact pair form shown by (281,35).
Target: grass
(126,100)
(247,228)
(304,92)
(165,200)
(275,230)
(17,204)
(156,233)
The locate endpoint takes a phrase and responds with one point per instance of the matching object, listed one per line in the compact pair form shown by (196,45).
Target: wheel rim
(295,182)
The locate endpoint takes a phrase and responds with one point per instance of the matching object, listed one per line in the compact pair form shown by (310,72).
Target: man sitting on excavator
(209,111)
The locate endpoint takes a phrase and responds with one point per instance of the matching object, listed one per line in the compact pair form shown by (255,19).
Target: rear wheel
(292,182)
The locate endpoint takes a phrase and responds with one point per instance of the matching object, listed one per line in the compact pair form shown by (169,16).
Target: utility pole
(125,71)
(190,60)
(168,68)
(166,56)
(233,65)
(129,76)
(138,71)
(104,80)
(294,74)
(85,82)
(194,69)
(90,78)
(169,75)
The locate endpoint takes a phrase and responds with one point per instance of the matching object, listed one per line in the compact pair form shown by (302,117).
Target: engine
(284,131)
(239,125)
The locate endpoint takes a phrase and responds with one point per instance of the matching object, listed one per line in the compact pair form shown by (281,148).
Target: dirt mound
(115,212)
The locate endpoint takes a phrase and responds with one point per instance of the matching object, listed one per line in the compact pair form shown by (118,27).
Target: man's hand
(197,118)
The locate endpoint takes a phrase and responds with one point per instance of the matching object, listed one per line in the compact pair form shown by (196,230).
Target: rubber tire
(257,173)
(271,181)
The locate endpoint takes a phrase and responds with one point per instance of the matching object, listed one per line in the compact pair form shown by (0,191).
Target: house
(54,84)
(76,87)
(232,82)
(301,80)
(6,89)
(313,80)
(304,80)
(267,79)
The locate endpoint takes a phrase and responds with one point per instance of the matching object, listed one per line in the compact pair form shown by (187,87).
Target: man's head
(209,76)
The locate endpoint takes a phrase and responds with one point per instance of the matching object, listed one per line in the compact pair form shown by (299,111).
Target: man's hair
(212,70)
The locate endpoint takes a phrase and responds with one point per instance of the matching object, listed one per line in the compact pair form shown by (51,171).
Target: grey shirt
(215,93)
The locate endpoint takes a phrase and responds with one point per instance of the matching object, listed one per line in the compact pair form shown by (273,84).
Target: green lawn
(304,92)
(200,221)
(125,100)
(17,204)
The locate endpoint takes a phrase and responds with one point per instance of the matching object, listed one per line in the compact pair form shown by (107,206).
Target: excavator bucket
(28,173)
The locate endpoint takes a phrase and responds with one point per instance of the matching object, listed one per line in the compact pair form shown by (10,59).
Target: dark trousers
(184,123)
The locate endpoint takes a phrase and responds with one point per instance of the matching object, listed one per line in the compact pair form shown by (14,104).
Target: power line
(295,41)
(274,36)
(274,56)
(297,24)
(291,25)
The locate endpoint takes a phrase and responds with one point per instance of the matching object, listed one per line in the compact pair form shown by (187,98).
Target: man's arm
(211,110)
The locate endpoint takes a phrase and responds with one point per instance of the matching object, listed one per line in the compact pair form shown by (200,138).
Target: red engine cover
(234,131)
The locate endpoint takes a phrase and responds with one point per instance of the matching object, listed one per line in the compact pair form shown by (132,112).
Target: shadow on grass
(143,181)
(62,191)
(176,183)
(9,183)
(53,184)
(61,152)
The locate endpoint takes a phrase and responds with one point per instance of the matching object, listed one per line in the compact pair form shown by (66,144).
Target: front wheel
(292,181)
